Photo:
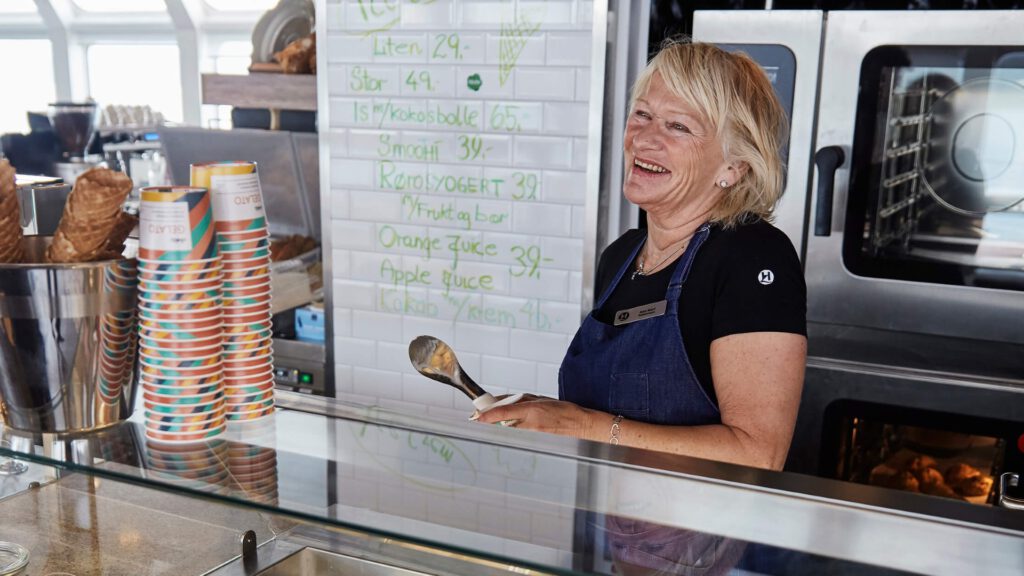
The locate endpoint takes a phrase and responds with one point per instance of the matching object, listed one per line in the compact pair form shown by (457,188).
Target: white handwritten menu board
(457,136)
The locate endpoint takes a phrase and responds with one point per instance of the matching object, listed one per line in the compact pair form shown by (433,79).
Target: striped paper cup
(187,337)
(250,384)
(248,398)
(165,295)
(160,380)
(180,275)
(235,355)
(229,246)
(148,314)
(250,254)
(198,268)
(168,347)
(246,291)
(263,367)
(247,316)
(233,330)
(162,371)
(246,282)
(188,287)
(154,355)
(164,406)
(184,390)
(236,196)
(176,225)
(186,325)
(236,416)
(236,274)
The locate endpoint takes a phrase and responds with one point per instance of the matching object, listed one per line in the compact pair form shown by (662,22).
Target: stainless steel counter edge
(859,523)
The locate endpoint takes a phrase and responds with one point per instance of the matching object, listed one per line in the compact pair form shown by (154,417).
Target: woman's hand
(544,415)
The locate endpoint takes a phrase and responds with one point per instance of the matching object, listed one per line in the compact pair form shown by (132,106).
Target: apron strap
(682,271)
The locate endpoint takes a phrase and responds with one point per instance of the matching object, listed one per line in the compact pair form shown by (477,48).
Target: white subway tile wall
(457,134)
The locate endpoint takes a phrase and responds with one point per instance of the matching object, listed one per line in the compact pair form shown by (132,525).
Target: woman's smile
(672,156)
(650,167)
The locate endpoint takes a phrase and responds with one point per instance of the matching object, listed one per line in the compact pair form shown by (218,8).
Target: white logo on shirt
(765,277)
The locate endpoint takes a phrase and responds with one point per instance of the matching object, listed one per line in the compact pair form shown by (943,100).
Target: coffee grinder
(74,125)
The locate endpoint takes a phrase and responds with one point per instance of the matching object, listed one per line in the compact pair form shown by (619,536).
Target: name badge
(640,313)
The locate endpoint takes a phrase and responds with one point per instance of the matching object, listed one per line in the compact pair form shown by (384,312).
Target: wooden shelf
(275,91)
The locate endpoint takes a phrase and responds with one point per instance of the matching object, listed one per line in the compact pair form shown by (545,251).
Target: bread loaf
(298,57)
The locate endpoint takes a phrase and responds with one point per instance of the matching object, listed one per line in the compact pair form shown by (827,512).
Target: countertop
(82,525)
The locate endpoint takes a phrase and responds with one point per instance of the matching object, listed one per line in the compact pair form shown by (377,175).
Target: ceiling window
(18,7)
(137,75)
(121,5)
(225,57)
(31,85)
(232,57)
(241,5)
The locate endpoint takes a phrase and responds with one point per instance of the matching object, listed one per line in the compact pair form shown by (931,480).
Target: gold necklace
(640,262)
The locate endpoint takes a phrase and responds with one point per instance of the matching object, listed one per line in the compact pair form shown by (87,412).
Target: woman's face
(673,158)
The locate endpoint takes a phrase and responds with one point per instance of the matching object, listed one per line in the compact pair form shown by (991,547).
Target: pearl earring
(723,184)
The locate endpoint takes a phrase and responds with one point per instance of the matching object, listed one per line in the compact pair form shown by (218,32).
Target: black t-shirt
(727,291)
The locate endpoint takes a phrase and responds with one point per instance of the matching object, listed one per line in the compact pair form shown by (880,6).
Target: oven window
(937,178)
(903,449)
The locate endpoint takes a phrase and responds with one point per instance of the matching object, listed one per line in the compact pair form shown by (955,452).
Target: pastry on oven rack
(907,482)
(934,484)
(940,489)
(928,476)
(979,485)
(920,463)
(888,477)
(959,472)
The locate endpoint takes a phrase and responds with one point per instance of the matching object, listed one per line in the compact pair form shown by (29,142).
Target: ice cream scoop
(436,360)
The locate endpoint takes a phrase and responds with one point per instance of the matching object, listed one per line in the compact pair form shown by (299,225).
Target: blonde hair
(733,93)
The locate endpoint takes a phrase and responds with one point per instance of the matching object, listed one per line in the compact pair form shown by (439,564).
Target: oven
(917,209)
(906,170)
(941,454)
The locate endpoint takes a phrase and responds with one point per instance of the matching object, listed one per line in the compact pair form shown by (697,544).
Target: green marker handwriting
(512,40)
(417,208)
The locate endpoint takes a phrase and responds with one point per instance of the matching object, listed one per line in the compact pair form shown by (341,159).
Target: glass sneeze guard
(543,503)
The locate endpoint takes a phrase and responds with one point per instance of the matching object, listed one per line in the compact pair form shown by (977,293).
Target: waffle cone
(13,254)
(8,218)
(90,216)
(9,206)
(122,228)
(10,224)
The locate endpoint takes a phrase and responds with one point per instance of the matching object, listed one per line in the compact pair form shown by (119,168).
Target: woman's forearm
(712,442)
(721,442)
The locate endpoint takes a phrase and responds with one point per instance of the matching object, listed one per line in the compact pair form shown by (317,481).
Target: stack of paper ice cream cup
(244,246)
(180,319)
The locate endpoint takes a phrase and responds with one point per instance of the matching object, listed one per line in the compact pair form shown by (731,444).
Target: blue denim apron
(639,370)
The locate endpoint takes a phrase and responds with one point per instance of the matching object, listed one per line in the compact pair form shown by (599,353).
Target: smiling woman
(697,342)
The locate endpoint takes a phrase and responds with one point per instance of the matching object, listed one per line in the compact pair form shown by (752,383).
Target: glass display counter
(329,487)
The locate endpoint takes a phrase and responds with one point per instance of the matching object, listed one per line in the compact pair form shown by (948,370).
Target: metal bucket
(67,342)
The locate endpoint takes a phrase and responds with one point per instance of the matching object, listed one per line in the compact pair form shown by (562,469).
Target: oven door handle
(1009,480)
(828,160)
